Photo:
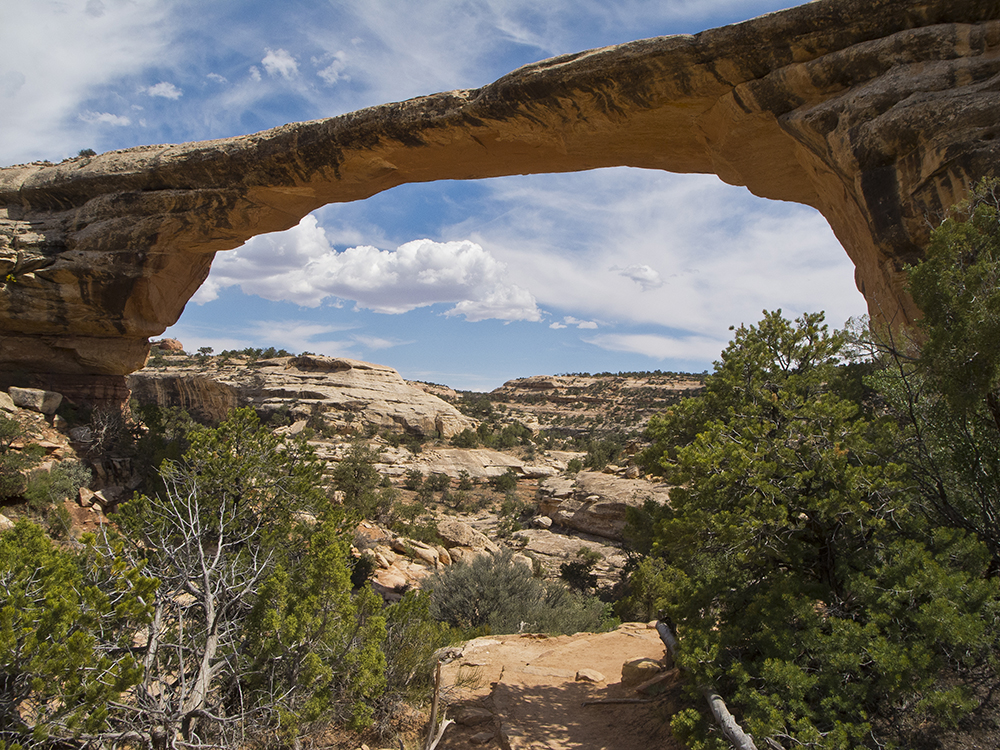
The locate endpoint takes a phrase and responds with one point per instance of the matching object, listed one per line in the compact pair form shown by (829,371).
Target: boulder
(85,498)
(638,671)
(81,434)
(596,503)
(35,399)
(169,345)
(7,403)
(457,533)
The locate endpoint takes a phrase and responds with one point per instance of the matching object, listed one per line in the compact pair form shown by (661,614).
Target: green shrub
(465,481)
(579,574)
(506,482)
(414,480)
(61,483)
(500,593)
(466,439)
(438,482)
(412,637)
(13,463)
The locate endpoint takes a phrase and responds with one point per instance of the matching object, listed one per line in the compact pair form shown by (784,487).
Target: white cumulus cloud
(643,275)
(569,320)
(333,72)
(280,62)
(302,266)
(165,90)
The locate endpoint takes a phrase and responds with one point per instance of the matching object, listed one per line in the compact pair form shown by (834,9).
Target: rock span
(879,113)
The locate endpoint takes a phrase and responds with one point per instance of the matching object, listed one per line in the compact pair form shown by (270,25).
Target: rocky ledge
(879,113)
(596,503)
(345,396)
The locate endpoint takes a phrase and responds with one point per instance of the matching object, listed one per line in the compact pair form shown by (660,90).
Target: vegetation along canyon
(244,546)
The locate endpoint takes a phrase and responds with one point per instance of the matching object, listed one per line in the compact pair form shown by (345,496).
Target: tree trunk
(731,729)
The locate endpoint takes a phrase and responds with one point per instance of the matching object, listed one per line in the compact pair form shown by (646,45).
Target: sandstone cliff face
(879,113)
(347,395)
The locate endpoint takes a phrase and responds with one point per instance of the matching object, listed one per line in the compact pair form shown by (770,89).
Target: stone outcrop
(529,691)
(483,463)
(573,403)
(596,503)
(879,113)
(346,395)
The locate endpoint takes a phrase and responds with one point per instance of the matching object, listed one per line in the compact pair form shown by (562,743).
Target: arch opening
(611,270)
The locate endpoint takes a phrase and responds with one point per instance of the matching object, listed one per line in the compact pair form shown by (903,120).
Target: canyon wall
(878,113)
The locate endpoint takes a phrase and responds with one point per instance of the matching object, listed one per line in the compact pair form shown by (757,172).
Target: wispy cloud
(685,348)
(47,90)
(301,266)
(299,336)
(332,67)
(705,254)
(569,320)
(377,342)
(105,118)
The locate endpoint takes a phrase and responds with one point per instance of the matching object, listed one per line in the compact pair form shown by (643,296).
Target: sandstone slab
(528,684)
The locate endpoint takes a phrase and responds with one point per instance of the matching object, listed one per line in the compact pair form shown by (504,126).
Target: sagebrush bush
(498,593)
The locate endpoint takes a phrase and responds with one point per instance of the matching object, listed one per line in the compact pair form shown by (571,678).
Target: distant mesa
(878,113)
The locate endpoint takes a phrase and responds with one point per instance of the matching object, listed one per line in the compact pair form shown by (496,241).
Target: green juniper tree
(66,628)
(942,381)
(255,631)
(802,584)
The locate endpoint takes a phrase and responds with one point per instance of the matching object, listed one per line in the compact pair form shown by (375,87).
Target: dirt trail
(521,691)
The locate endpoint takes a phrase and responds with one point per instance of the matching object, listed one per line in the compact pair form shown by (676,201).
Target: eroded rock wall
(347,395)
(879,113)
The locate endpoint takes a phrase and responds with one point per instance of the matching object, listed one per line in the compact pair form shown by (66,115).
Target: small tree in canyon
(253,621)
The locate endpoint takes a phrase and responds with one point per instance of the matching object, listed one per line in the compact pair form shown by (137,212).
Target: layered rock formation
(345,395)
(879,113)
(596,503)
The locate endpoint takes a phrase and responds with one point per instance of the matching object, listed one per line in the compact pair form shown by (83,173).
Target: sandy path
(524,691)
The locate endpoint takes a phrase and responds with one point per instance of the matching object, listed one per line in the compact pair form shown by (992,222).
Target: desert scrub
(500,594)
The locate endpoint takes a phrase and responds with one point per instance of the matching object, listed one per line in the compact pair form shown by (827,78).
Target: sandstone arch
(879,113)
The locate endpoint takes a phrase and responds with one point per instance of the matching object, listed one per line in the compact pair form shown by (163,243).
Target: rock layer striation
(336,394)
(878,113)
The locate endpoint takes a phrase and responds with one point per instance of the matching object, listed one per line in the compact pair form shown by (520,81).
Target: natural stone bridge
(878,113)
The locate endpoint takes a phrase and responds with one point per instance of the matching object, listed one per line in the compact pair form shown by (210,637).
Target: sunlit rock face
(346,395)
(879,113)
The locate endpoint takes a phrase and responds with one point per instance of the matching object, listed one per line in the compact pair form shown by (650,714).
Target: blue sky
(463,283)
